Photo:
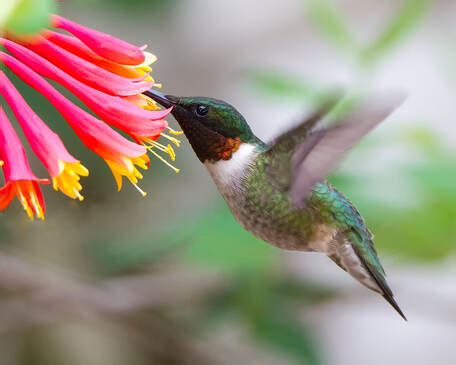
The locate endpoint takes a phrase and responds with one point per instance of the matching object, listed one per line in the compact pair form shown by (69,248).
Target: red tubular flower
(116,111)
(76,47)
(103,44)
(87,72)
(121,154)
(63,168)
(19,178)
(108,75)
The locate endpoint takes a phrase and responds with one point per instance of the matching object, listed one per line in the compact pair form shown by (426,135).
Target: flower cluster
(109,76)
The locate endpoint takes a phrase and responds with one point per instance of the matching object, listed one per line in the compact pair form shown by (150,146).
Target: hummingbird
(277,190)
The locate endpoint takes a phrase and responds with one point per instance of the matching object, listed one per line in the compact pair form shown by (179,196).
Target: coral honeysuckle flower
(103,44)
(109,76)
(89,73)
(76,47)
(114,110)
(63,168)
(19,178)
(121,154)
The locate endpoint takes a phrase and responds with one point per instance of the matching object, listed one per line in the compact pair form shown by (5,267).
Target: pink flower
(103,44)
(108,75)
(19,178)
(63,168)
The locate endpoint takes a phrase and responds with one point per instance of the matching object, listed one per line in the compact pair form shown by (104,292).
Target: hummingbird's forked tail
(354,253)
(387,292)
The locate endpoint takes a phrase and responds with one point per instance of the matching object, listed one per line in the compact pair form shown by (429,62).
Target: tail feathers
(386,291)
(390,299)
(349,258)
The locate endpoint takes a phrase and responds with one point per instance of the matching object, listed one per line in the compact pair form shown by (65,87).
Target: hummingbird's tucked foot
(278,191)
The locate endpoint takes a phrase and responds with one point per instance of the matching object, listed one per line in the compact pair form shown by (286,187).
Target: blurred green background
(172,279)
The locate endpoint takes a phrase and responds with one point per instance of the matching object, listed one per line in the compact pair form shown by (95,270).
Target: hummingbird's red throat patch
(223,148)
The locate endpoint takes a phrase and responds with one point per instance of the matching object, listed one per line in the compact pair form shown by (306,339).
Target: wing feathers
(324,148)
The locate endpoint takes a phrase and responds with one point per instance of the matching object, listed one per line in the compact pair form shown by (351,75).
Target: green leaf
(280,84)
(30,16)
(402,23)
(124,255)
(213,240)
(331,24)
(287,335)
(424,230)
(219,241)
(6,8)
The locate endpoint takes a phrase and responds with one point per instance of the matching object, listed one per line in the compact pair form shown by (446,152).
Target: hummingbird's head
(214,128)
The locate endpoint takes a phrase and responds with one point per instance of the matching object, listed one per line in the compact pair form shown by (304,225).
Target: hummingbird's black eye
(202,110)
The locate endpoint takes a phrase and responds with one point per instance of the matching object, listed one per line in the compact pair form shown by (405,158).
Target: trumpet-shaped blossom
(63,168)
(108,75)
(76,47)
(20,181)
(114,110)
(121,154)
(103,44)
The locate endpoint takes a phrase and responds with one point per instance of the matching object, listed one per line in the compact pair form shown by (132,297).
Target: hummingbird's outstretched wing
(315,150)
(281,149)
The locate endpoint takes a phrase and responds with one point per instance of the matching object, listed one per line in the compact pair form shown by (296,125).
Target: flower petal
(103,44)
(16,165)
(76,47)
(95,134)
(85,71)
(46,144)
(20,181)
(113,110)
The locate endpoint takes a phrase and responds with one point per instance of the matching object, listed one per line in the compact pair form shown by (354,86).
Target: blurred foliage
(213,240)
(405,21)
(269,304)
(6,8)
(27,16)
(154,9)
(260,296)
(424,229)
(333,25)
(275,83)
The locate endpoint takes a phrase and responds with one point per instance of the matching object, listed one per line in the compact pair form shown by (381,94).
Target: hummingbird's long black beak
(167,101)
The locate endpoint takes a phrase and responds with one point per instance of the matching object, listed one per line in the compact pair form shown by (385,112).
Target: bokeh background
(172,279)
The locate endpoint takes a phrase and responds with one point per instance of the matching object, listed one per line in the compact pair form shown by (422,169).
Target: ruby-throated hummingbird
(277,191)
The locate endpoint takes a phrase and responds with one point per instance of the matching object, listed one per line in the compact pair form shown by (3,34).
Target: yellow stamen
(175,169)
(174,132)
(142,192)
(22,198)
(174,140)
(27,196)
(67,181)
(149,143)
(1,163)
(128,169)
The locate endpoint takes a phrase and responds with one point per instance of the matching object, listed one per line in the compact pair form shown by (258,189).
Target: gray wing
(280,151)
(324,147)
